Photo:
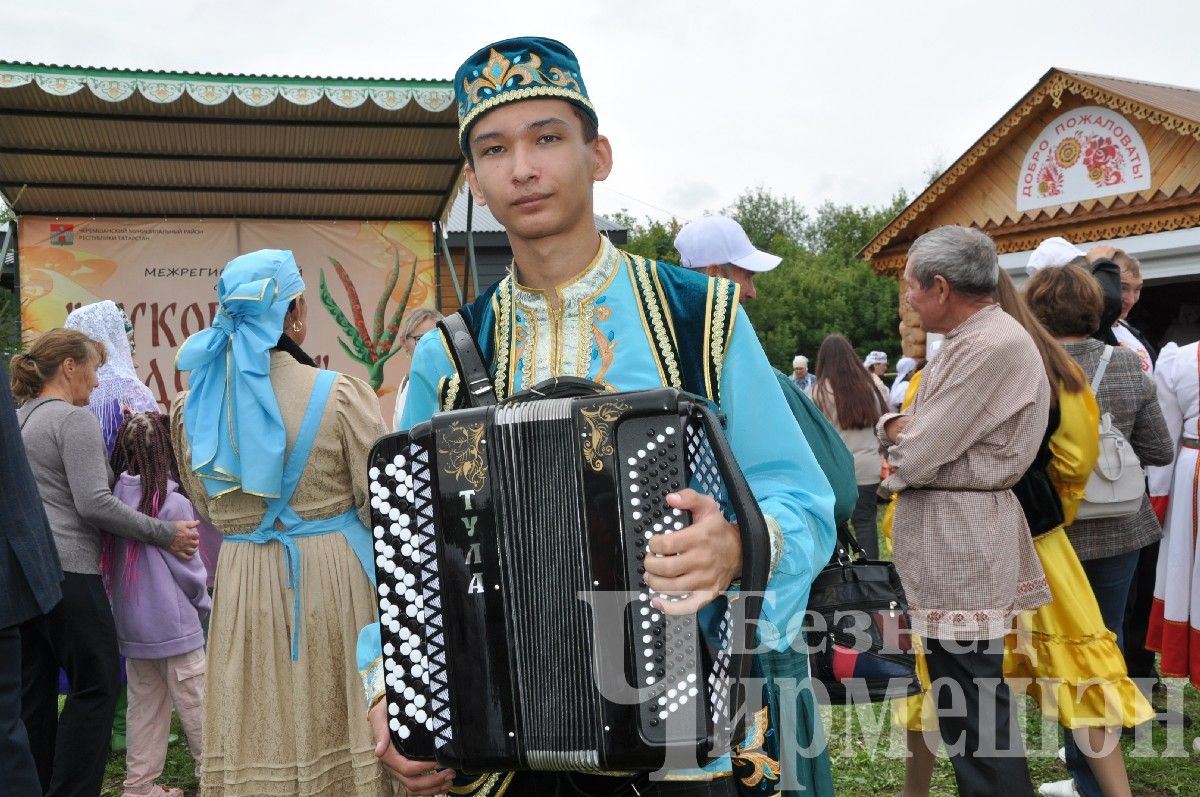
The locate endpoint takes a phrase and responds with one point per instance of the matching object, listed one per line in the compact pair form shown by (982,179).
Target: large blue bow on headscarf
(230,406)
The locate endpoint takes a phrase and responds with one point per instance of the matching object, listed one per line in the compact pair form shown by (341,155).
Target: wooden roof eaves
(1182,212)
(1052,85)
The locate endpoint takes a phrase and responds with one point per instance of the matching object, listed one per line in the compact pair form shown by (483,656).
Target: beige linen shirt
(962,546)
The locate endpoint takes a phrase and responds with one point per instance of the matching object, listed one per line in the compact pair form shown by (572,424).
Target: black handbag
(860,641)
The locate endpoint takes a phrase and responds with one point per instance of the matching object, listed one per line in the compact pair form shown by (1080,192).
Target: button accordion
(492,528)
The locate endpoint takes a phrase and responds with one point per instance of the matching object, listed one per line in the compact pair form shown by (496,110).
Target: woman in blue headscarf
(273,451)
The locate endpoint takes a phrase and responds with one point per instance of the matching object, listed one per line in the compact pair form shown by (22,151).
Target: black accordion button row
(665,663)
(404,655)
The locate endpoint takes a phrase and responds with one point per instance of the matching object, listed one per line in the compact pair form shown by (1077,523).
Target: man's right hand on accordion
(417,777)
(697,563)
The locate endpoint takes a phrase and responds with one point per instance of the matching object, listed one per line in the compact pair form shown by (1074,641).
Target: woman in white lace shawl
(119,387)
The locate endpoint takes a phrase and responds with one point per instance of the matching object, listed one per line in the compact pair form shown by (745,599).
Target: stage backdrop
(359,277)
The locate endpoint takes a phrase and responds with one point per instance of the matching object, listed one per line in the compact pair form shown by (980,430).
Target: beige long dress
(273,726)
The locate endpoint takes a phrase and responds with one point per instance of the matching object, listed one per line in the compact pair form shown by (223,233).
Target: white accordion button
(384,590)
(373,473)
(395,725)
(399,460)
(410,710)
(393,709)
(402,731)
(378,531)
(389,649)
(420,716)
(670,430)
(389,469)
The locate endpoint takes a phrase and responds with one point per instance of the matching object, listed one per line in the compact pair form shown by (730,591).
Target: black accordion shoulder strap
(468,360)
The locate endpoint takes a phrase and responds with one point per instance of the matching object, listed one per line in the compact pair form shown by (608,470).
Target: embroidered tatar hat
(717,241)
(1052,253)
(525,68)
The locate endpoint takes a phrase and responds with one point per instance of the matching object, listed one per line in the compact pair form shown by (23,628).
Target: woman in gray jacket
(66,453)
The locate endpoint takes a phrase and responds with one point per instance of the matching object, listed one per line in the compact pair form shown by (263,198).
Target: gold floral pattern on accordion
(598,442)
(462,444)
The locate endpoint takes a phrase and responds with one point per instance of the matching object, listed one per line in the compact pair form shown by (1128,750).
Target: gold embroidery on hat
(529,93)
(499,71)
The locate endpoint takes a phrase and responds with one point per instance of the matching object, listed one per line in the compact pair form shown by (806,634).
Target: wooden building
(1093,159)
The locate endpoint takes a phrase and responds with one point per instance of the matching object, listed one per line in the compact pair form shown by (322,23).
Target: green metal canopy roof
(113,142)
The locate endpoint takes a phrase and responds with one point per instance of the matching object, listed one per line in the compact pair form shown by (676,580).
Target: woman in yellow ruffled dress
(1072,662)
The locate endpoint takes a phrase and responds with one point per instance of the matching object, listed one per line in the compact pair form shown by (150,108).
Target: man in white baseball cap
(718,246)
(1052,253)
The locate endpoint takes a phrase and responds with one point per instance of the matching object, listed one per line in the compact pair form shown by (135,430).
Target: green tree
(10,325)
(822,286)
(771,222)
(649,238)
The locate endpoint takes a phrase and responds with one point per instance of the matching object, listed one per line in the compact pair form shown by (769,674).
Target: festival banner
(360,277)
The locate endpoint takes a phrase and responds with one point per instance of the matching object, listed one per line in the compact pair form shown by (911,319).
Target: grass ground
(866,752)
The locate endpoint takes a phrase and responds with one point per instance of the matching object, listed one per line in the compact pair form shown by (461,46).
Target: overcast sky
(844,101)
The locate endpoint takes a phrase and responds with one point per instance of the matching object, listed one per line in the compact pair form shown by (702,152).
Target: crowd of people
(223,547)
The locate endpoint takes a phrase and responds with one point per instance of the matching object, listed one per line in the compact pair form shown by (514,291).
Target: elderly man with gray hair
(962,545)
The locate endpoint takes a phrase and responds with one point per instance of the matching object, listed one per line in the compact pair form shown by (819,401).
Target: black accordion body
(491,527)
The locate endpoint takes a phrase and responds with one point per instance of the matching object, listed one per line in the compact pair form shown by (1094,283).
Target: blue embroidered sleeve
(783,474)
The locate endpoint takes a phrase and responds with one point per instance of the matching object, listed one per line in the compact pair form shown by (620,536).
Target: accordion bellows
(517,630)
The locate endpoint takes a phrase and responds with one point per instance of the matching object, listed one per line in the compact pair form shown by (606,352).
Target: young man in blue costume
(574,305)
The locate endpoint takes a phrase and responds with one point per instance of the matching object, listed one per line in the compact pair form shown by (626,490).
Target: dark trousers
(558,784)
(18,774)
(987,760)
(866,527)
(79,636)
(1110,578)
(1138,660)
